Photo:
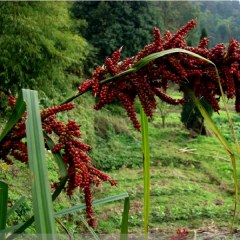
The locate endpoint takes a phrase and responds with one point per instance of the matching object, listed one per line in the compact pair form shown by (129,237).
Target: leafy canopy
(38,47)
(112,24)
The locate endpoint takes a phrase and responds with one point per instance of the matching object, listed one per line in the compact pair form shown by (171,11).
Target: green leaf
(143,62)
(17,113)
(146,168)
(140,64)
(95,236)
(95,203)
(20,228)
(223,141)
(3,204)
(3,207)
(30,221)
(209,121)
(59,188)
(42,203)
(57,156)
(15,206)
(11,229)
(124,226)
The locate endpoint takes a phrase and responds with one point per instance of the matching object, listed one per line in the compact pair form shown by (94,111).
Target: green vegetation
(113,24)
(191,178)
(184,170)
(220,18)
(191,182)
(39,49)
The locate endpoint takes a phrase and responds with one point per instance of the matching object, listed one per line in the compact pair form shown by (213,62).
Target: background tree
(190,115)
(38,48)
(170,15)
(112,24)
(221,19)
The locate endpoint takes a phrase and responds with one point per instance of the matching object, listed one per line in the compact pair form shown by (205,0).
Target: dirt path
(204,233)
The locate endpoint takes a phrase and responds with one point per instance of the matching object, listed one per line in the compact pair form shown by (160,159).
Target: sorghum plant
(145,76)
(81,173)
(153,79)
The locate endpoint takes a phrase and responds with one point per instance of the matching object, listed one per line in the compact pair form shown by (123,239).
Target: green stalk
(42,203)
(22,227)
(57,156)
(3,206)
(15,206)
(146,169)
(95,203)
(90,229)
(124,226)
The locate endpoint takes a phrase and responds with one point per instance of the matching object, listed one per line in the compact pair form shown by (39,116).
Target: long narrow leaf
(17,113)
(15,206)
(143,62)
(146,166)
(21,228)
(222,139)
(124,226)
(95,236)
(42,203)
(233,160)
(3,205)
(57,156)
(209,121)
(10,229)
(95,203)
(140,64)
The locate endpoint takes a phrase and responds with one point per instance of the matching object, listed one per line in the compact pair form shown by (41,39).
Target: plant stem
(146,169)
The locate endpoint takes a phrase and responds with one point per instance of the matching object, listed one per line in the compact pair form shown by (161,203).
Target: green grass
(191,177)
(191,181)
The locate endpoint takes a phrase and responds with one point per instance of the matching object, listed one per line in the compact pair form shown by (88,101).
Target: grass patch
(191,177)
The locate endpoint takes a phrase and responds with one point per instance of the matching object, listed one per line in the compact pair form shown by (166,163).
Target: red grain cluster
(183,69)
(81,173)
(13,146)
(149,82)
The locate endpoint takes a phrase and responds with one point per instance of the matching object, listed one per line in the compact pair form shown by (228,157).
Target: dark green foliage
(192,118)
(221,19)
(203,33)
(114,138)
(112,24)
(171,15)
(38,48)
